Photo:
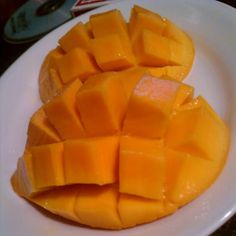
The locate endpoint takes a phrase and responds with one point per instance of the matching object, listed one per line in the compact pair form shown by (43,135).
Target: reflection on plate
(212,27)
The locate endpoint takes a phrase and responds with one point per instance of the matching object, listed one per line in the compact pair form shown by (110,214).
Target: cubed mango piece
(24,176)
(141,20)
(49,83)
(135,210)
(52,57)
(141,167)
(157,71)
(110,22)
(40,131)
(59,201)
(177,72)
(111,52)
(178,54)
(91,160)
(130,78)
(187,176)
(151,49)
(47,164)
(62,113)
(172,31)
(184,95)
(150,107)
(198,130)
(77,63)
(77,36)
(173,72)
(102,102)
(97,206)
(138,9)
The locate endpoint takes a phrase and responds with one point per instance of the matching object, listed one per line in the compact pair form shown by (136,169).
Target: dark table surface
(10,52)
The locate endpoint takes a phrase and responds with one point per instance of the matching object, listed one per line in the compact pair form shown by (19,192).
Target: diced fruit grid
(120,140)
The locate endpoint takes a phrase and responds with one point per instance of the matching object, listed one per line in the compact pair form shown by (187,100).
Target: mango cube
(40,131)
(62,114)
(110,22)
(92,160)
(184,95)
(106,96)
(177,72)
(135,210)
(24,181)
(52,57)
(97,207)
(47,164)
(141,20)
(49,80)
(150,107)
(157,71)
(187,176)
(173,32)
(51,85)
(152,49)
(60,201)
(112,53)
(77,63)
(138,9)
(198,130)
(130,77)
(77,36)
(141,167)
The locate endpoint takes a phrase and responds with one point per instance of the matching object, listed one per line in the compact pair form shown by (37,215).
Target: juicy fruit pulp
(108,43)
(113,149)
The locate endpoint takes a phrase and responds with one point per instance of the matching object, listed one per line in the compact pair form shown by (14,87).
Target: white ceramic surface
(212,26)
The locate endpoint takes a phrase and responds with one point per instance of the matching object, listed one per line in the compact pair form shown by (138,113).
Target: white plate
(212,27)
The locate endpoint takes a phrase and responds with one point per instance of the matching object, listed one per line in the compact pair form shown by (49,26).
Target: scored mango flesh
(108,43)
(120,140)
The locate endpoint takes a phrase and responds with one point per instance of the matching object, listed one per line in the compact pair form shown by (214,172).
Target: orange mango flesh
(107,97)
(97,207)
(59,201)
(23,179)
(137,210)
(40,131)
(130,77)
(188,176)
(49,84)
(91,161)
(198,131)
(77,36)
(68,65)
(156,23)
(151,49)
(173,32)
(120,141)
(150,107)
(108,43)
(140,21)
(111,53)
(51,174)
(62,113)
(111,22)
(137,155)
(184,95)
